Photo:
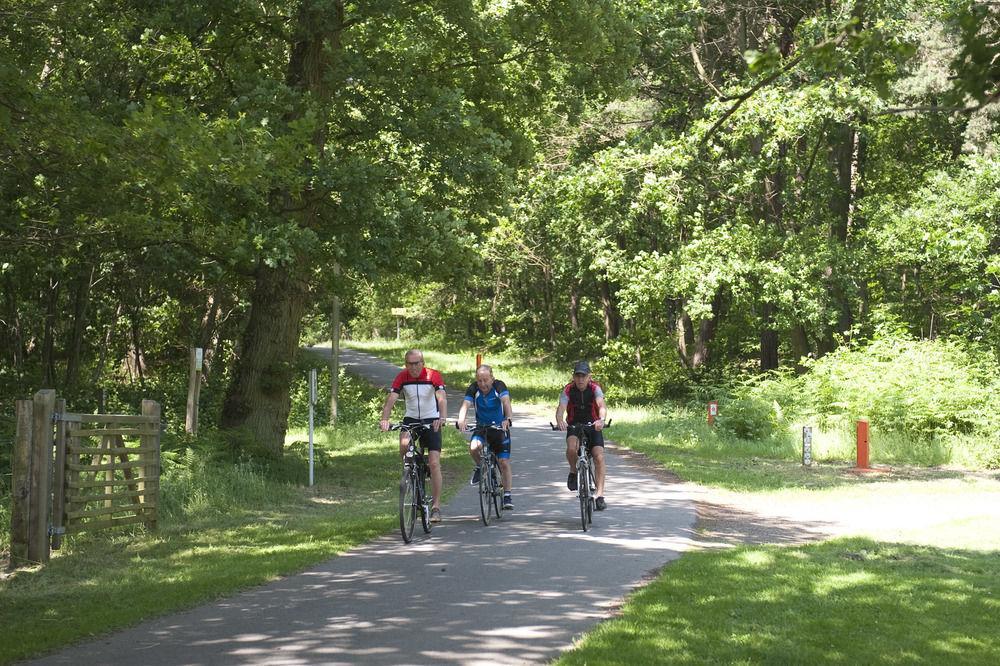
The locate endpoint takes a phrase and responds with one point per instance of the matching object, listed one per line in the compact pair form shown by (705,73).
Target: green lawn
(849,601)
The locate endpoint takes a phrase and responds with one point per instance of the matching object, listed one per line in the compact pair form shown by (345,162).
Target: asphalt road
(519,591)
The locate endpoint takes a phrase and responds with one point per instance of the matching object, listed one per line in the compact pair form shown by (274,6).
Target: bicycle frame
(490,484)
(413,495)
(586,479)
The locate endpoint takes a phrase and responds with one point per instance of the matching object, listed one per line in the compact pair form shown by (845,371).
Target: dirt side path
(936,511)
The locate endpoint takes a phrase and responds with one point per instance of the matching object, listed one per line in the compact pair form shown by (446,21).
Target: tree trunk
(612,320)
(15,336)
(206,332)
(768,339)
(48,338)
(694,347)
(800,346)
(258,399)
(574,308)
(549,307)
(74,348)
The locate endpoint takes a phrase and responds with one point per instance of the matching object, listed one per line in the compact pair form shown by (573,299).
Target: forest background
(791,207)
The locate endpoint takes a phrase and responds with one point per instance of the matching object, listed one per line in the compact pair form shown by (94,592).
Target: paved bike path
(519,591)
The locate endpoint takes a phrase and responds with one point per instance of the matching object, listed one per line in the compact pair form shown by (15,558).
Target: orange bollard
(479,360)
(862,444)
(713,411)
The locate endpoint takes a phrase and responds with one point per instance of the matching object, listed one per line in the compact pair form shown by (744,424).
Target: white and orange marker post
(713,411)
(479,360)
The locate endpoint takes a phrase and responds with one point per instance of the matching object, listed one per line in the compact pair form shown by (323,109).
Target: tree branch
(943,109)
(767,81)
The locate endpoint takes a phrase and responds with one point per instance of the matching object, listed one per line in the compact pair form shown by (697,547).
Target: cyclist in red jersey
(426,402)
(582,401)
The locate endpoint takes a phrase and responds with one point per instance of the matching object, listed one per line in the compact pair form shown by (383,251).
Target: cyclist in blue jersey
(491,400)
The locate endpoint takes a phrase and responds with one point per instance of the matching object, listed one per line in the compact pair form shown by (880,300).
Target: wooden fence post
(59,479)
(41,464)
(151,464)
(21,470)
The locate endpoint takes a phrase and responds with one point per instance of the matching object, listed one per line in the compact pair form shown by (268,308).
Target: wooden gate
(110,464)
(105,472)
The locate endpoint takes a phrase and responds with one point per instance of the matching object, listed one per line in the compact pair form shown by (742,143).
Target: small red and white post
(713,411)
(479,360)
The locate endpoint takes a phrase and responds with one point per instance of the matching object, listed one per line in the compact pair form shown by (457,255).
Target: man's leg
(572,453)
(404,443)
(434,460)
(476,449)
(597,455)
(506,473)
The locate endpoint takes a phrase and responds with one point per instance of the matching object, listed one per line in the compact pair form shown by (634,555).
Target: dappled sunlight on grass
(224,526)
(811,606)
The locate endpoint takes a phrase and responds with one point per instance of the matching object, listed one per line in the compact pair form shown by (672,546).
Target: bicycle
(490,483)
(413,484)
(586,482)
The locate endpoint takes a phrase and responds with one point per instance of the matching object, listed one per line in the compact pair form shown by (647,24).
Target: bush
(930,401)
(923,387)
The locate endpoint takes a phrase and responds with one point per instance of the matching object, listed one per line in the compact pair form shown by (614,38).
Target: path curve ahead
(516,592)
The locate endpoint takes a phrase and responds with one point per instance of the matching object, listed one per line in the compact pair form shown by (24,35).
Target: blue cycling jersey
(489,408)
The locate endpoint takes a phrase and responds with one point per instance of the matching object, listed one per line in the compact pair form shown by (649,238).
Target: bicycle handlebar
(472,427)
(408,427)
(607,424)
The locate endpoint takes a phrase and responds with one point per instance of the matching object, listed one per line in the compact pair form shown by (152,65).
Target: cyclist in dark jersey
(491,400)
(426,402)
(582,401)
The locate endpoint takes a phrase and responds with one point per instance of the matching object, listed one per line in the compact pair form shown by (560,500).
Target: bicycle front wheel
(497,491)
(485,491)
(583,487)
(407,504)
(592,501)
(423,505)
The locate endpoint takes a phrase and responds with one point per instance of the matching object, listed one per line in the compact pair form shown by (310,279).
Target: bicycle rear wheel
(583,488)
(422,504)
(407,504)
(485,491)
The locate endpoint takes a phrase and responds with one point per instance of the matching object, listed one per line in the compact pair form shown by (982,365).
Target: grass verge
(844,601)
(224,527)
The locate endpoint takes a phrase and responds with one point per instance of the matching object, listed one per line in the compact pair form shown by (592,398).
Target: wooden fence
(79,472)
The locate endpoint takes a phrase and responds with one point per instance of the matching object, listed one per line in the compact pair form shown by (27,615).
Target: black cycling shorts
(429,440)
(499,442)
(594,438)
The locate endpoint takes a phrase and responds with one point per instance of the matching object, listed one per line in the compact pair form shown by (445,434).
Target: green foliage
(928,401)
